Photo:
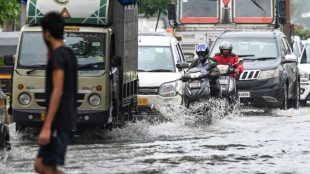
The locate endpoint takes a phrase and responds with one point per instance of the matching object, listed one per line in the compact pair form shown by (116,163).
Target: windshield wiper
(265,58)
(246,55)
(160,70)
(254,2)
(38,67)
(91,65)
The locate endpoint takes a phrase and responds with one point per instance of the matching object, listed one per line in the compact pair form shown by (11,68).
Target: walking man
(60,119)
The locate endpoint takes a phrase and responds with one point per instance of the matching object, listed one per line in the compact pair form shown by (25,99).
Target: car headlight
(94,100)
(268,74)
(24,99)
(168,89)
(304,76)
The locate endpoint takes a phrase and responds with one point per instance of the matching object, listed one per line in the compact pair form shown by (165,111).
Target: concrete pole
(23,18)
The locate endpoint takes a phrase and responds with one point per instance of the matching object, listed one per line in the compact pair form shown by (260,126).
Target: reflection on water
(235,142)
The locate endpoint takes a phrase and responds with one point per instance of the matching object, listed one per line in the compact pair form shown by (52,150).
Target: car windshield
(89,49)
(250,48)
(199,8)
(155,59)
(305,58)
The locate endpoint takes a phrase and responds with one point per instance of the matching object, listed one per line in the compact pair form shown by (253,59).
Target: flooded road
(246,142)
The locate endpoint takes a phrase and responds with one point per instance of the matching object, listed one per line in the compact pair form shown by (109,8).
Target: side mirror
(171,12)
(282,12)
(290,58)
(116,61)
(182,65)
(240,61)
(8,60)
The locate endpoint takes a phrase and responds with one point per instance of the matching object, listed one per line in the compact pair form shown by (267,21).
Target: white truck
(103,34)
(197,21)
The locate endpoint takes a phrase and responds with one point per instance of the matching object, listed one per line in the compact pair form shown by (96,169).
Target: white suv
(158,54)
(304,68)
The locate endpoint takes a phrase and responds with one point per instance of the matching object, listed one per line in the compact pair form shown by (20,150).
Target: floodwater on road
(238,142)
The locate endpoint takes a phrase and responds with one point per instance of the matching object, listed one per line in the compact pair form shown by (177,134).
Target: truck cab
(107,67)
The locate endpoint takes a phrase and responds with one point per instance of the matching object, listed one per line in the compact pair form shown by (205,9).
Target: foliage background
(153,7)
(9,9)
(299,7)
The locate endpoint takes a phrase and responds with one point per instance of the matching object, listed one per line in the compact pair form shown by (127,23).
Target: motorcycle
(197,85)
(228,83)
(197,93)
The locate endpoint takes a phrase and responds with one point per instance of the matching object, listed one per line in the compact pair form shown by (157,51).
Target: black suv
(271,77)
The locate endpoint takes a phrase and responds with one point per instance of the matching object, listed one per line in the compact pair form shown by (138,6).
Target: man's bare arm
(58,81)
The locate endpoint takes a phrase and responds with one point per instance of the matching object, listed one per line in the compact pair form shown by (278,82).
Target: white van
(158,54)
(304,70)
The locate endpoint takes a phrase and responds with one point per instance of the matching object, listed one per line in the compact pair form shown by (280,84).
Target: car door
(291,69)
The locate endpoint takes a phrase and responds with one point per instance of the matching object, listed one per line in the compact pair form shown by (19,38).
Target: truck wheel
(284,98)
(5,143)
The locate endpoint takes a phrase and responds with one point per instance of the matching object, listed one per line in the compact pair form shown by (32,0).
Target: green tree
(9,9)
(153,7)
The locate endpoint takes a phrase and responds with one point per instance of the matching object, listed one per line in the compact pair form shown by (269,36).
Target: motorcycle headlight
(231,84)
(268,74)
(304,76)
(168,89)
(24,99)
(94,100)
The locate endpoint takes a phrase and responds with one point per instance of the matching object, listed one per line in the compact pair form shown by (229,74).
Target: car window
(305,59)
(179,54)
(155,59)
(296,49)
(290,51)
(285,46)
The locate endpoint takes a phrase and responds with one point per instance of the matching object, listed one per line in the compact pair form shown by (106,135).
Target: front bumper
(153,100)
(305,90)
(35,117)
(260,92)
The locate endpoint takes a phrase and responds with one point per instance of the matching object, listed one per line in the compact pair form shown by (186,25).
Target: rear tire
(284,105)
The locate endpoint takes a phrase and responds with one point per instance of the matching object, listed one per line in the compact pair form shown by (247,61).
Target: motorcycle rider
(226,57)
(210,64)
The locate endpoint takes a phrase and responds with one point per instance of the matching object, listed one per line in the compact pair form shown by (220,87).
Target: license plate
(194,85)
(244,94)
(43,116)
(142,101)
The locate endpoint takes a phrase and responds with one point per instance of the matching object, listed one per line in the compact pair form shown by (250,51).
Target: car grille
(249,75)
(148,91)
(40,99)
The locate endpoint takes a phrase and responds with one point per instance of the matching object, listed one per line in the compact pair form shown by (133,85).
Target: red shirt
(232,58)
